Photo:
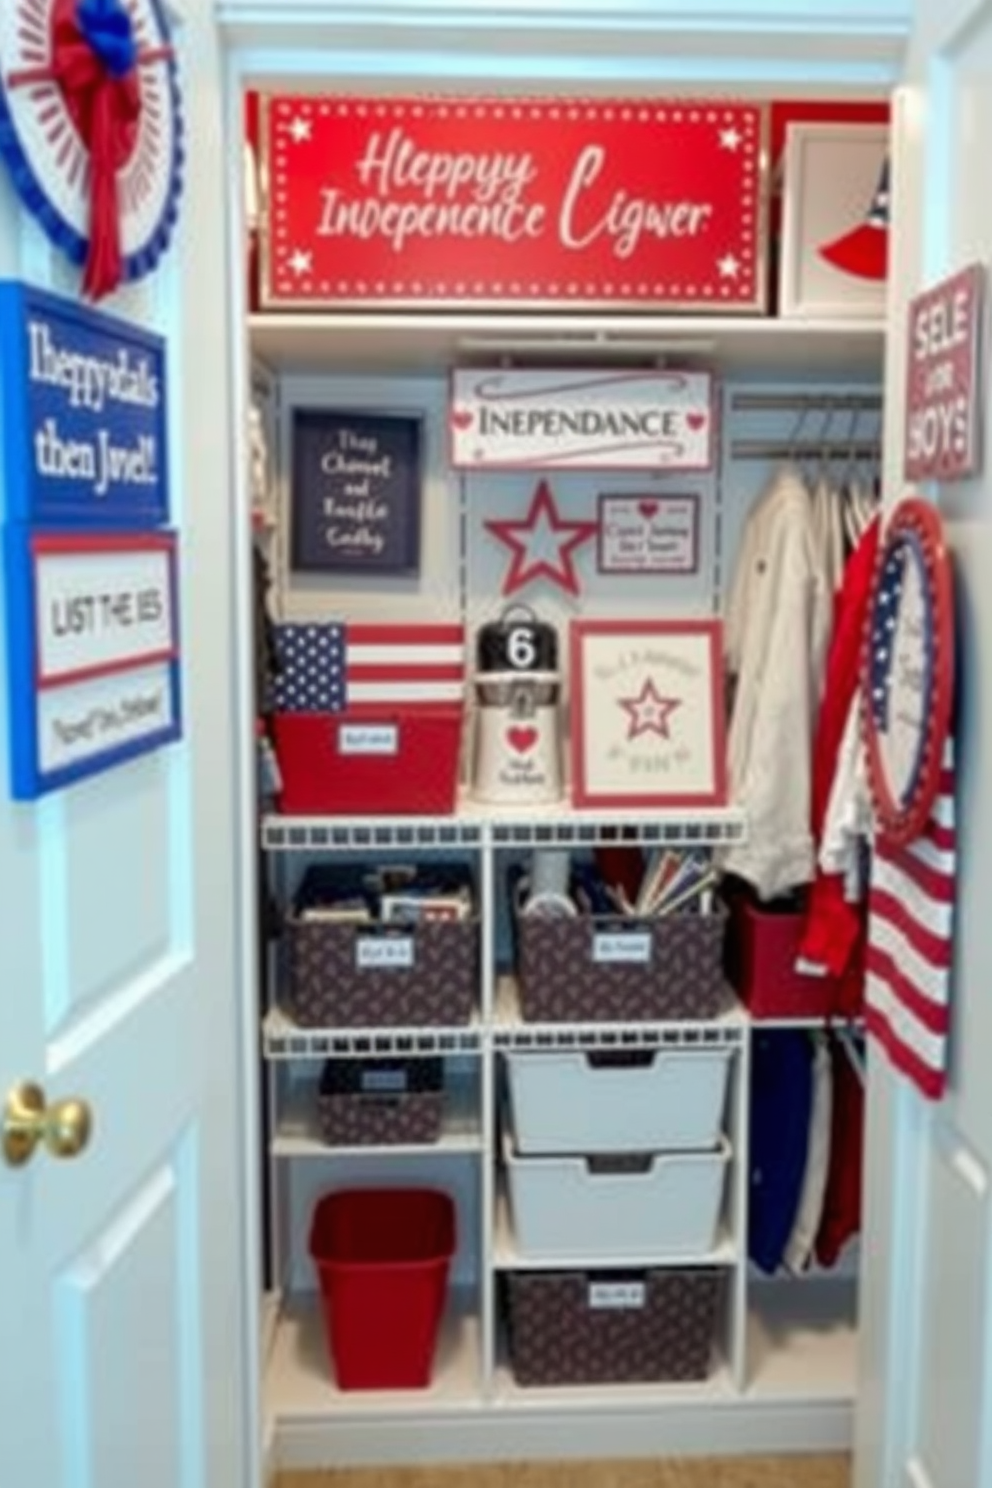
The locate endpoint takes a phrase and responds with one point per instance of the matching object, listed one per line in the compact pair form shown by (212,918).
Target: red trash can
(383,1257)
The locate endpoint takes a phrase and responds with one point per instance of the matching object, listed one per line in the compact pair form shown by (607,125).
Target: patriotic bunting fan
(864,251)
(91,129)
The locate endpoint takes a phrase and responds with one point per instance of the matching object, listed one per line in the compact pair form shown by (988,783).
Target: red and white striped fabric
(404,663)
(910,944)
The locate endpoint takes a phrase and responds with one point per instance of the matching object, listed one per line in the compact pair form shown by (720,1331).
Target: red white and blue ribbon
(91,129)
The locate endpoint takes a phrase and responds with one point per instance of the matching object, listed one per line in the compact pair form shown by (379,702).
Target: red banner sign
(629,203)
(943,391)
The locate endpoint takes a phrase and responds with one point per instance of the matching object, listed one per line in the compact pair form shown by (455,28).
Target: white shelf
(511,1032)
(396,342)
(802,1340)
(298,1135)
(300,1387)
(347,833)
(476,825)
(284,1039)
(508,1258)
(717,1388)
(758,1024)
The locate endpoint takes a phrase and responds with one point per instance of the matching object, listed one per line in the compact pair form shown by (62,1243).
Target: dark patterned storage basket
(341,975)
(381,1102)
(578,1328)
(604,971)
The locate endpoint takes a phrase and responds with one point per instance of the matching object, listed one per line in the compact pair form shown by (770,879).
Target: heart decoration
(647,509)
(462,418)
(696,420)
(521,740)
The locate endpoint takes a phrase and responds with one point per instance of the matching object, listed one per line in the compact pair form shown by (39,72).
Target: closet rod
(803,402)
(806,449)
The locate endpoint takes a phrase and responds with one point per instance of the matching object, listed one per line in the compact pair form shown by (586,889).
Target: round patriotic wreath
(91,129)
(907,673)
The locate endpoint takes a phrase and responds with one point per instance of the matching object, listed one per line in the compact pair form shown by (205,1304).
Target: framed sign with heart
(581,420)
(648,534)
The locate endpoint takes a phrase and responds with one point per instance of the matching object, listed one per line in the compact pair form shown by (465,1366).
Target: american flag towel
(327,667)
(910,945)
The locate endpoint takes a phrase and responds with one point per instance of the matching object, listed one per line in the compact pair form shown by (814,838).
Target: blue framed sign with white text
(93,650)
(83,415)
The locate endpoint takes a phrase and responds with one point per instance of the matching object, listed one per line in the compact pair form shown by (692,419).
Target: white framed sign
(649,533)
(93,654)
(835,228)
(647,726)
(581,420)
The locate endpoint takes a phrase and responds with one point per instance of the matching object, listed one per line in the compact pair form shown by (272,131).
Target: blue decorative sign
(93,652)
(356,492)
(83,415)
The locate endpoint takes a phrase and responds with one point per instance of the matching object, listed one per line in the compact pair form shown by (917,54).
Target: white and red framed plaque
(514,202)
(647,720)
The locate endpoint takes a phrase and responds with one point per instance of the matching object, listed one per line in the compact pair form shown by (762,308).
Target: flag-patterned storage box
(581,1328)
(369,719)
(381,1102)
(592,969)
(343,973)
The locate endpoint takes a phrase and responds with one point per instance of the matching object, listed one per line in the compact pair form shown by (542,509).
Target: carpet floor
(734,1472)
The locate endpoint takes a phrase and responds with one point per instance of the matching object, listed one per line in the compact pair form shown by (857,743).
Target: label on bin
(368,738)
(387,951)
(384,1082)
(619,945)
(618,1296)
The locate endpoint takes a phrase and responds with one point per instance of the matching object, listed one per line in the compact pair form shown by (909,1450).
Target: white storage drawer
(650,1100)
(652,1206)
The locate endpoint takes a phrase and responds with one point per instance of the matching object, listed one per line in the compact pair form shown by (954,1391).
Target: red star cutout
(532,540)
(649,713)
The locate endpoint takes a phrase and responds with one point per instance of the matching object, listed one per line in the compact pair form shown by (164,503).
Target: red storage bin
(765,944)
(369,761)
(383,1256)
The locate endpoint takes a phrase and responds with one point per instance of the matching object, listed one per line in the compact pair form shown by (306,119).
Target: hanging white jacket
(777,631)
(828,525)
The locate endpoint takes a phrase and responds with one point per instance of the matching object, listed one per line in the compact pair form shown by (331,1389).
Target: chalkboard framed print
(908,670)
(356,479)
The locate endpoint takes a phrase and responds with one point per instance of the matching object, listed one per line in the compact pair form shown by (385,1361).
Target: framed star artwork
(647,721)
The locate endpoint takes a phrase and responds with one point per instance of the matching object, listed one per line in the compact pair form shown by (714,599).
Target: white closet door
(926,1365)
(126,1356)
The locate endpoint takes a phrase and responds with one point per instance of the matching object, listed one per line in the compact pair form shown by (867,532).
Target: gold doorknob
(64,1127)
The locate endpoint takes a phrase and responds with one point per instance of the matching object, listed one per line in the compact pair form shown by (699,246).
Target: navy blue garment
(781,1107)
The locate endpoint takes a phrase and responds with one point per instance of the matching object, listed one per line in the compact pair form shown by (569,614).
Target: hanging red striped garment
(910,944)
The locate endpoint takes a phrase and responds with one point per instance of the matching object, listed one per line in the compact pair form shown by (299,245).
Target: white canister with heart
(517,739)
(517,687)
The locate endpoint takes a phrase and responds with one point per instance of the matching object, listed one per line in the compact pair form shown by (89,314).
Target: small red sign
(490,203)
(943,379)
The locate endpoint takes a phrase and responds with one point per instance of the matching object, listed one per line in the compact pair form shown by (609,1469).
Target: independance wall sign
(411,202)
(581,420)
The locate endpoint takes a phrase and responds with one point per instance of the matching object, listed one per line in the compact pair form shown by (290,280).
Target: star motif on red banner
(543,546)
(649,712)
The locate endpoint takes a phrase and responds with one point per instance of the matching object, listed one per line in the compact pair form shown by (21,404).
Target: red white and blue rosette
(91,129)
